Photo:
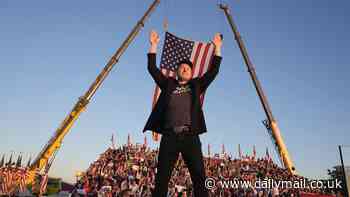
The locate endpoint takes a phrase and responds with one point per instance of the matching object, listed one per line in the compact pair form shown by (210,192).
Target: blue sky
(52,51)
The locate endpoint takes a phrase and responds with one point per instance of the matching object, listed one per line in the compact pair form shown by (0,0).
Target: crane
(54,143)
(270,123)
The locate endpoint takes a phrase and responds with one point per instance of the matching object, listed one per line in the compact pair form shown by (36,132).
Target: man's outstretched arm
(210,75)
(157,75)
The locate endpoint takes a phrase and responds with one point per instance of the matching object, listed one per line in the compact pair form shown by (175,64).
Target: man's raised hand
(154,40)
(217,41)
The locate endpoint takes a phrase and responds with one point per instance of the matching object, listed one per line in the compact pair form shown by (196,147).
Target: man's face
(184,72)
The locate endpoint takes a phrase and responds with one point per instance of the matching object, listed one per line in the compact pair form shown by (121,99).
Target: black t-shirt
(178,112)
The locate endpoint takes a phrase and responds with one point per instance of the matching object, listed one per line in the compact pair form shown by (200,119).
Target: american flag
(45,177)
(176,49)
(24,174)
(43,184)
(8,180)
(3,189)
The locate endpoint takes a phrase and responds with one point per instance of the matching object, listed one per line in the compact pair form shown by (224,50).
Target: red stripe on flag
(204,57)
(44,184)
(196,56)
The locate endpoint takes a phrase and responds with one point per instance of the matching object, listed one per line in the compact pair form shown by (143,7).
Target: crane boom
(271,121)
(56,140)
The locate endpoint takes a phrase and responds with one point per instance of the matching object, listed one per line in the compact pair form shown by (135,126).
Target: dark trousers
(170,147)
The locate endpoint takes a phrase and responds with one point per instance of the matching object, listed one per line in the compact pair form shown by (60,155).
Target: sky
(51,51)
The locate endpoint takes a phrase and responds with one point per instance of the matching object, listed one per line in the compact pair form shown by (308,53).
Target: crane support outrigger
(270,123)
(56,140)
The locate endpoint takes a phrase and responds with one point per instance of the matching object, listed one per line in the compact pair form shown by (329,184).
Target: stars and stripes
(43,184)
(176,49)
(3,181)
(24,175)
(13,179)
(8,180)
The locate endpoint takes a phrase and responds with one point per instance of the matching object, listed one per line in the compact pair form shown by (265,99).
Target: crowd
(12,177)
(130,171)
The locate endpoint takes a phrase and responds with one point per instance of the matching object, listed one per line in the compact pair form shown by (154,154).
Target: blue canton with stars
(175,50)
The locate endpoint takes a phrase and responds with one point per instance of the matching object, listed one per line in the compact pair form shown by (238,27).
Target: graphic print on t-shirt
(182,89)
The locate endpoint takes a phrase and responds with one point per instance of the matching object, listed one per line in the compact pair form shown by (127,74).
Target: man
(178,116)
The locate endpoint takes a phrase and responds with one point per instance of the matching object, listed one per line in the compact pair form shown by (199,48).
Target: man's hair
(185,61)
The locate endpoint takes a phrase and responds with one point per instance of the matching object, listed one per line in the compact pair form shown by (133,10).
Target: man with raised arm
(178,116)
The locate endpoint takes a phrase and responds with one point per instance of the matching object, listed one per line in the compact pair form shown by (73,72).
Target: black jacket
(167,85)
